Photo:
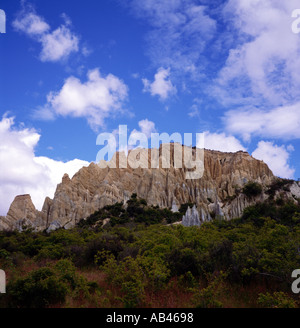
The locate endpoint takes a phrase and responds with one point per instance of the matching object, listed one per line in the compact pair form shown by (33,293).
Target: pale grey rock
(24,224)
(174,208)
(191,217)
(219,214)
(204,216)
(295,189)
(53,226)
(105,222)
(93,187)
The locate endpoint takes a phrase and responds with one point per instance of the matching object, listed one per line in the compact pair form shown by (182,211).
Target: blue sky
(70,70)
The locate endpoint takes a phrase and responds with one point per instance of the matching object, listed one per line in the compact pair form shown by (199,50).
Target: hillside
(217,192)
(133,256)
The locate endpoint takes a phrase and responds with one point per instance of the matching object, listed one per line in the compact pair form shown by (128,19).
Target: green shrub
(183,207)
(48,286)
(220,254)
(209,296)
(279,184)
(39,289)
(155,271)
(187,280)
(182,260)
(284,213)
(261,248)
(127,274)
(276,300)
(252,189)
(66,272)
(52,252)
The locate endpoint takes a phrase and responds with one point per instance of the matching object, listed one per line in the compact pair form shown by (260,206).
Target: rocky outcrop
(295,190)
(22,213)
(191,217)
(174,208)
(93,187)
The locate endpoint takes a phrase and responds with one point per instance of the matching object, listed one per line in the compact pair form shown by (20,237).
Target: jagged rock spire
(174,207)
(191,217)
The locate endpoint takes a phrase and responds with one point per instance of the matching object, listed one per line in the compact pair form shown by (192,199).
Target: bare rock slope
(93,187)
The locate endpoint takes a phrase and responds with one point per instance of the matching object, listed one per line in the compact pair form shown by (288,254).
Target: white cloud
(95,99)
(266,58)
(24,173)
(56,45)
(180,31)
(31,24)
(194,112)
(222,142)
(281,122)
(276,157)
(86,51)
(147,127)
(161,86)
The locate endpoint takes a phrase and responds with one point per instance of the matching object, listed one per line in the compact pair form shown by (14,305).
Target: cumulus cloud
(146,128)
(95,99)
(31,24)
(24,173)
(264,62)
(161,86)
(260,74)
(281,122)
(57,44)
(222,142)
(277,158)
(263,54)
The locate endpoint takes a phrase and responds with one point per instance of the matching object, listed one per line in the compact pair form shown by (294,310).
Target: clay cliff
(92,187)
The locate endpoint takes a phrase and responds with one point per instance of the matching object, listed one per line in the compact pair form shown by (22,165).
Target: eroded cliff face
(93,187)
(21,213)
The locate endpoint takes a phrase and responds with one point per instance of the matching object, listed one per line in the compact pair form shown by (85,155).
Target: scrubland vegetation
(139,259)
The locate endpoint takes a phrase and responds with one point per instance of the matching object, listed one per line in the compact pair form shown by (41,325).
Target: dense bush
(279,184)
(138,258)
(136,210)
(127,275)
(252,189)
(276,300)
(133,275)
(208,297)
(39,289)
(46,286)
(183,260)
(285,212)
